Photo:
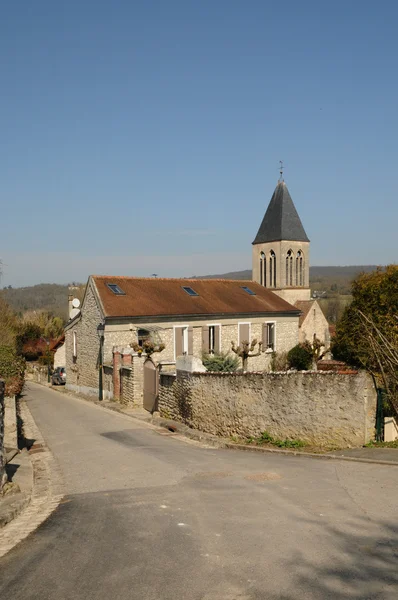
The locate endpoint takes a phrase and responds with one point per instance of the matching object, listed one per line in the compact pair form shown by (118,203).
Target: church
(281,263)
(197,316)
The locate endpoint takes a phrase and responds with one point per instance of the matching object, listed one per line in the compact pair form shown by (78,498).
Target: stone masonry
(3,476)
(82,371)
(327,409)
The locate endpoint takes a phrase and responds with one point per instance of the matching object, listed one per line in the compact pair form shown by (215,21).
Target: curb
(13,505)
(249,448)
(217,442)
(46,492)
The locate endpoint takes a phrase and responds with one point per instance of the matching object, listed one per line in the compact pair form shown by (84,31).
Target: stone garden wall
(322,408)
(3,476)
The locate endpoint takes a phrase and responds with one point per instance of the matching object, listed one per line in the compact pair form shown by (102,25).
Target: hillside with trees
(48,297)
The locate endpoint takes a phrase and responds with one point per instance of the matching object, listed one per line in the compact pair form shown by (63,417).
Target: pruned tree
(148,347)
(245,350)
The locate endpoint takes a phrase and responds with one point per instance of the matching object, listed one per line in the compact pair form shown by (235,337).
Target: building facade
(188,316)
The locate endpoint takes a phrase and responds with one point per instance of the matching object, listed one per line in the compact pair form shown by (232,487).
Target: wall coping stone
(269,374)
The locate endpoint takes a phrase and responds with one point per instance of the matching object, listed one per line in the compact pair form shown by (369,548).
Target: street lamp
(101,333)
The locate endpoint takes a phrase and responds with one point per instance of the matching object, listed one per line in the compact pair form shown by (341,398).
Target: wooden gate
(151,385)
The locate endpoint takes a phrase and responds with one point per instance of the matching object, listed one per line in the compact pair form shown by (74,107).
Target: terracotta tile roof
(305,307)
(165,297)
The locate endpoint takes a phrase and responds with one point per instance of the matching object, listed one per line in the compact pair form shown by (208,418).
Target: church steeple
(281,249)
(281,220)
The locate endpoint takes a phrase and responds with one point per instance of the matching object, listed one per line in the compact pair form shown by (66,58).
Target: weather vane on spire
(281,167)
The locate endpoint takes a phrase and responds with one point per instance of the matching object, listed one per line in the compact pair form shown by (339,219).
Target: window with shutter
(244,333)
(190,341)
(205,339)
(213,338)
(269,337)
(179,341)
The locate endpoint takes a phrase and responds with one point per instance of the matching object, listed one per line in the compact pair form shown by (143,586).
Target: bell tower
(281,249)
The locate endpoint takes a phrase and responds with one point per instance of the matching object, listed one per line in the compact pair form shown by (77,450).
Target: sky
(145,137)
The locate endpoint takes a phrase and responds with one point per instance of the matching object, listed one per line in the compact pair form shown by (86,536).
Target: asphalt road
(151,517)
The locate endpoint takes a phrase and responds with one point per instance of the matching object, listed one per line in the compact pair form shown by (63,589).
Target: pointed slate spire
(281,221)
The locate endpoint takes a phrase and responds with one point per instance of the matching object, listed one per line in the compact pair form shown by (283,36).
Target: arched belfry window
(299,269)
(263,269)
(272,269)
(289,268)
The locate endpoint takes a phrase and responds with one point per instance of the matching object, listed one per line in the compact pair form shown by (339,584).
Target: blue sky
(144,137)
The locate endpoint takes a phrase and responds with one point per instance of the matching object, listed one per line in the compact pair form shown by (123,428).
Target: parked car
(59,376)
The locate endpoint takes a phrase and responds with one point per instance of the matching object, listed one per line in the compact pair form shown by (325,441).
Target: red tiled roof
(149,297)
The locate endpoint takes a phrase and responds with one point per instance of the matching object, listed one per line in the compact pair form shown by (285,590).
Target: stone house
(189,316)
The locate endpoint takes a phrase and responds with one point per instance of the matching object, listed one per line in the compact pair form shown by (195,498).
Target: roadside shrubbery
(12,370)
(220,362)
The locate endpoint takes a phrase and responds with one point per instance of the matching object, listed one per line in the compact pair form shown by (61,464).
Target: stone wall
(128,376)
(82,374)
(3,476)
(10,422)
(315,323)
(321,408)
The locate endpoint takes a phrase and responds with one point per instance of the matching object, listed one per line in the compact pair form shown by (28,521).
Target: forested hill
(337,279)
(53,297)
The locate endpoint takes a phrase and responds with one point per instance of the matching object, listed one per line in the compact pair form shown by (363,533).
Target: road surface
(150,517)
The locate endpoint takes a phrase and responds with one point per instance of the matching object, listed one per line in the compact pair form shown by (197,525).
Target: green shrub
(300,357)
(12,370)
(279,361)
(220,362)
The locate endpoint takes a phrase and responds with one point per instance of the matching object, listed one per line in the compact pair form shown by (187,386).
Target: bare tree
(246,350)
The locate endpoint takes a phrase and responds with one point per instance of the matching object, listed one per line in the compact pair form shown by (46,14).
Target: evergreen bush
(300,357)
(220,362)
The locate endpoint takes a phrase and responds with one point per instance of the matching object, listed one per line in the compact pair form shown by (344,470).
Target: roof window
(189,291)
(248,290)
(116,289)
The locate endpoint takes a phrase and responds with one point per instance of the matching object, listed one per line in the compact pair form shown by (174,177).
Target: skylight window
(189,291)
(116,289)
(248,290)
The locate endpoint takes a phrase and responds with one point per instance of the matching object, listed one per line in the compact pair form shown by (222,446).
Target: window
(289,268)
(248,290)
(116,289)
(263,270)
(269,337)
(142,335)
(183,340)
(299,269)
(272,269)
(189,291)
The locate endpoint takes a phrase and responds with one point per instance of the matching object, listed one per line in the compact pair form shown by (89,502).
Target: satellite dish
(75,302)
(74,312)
